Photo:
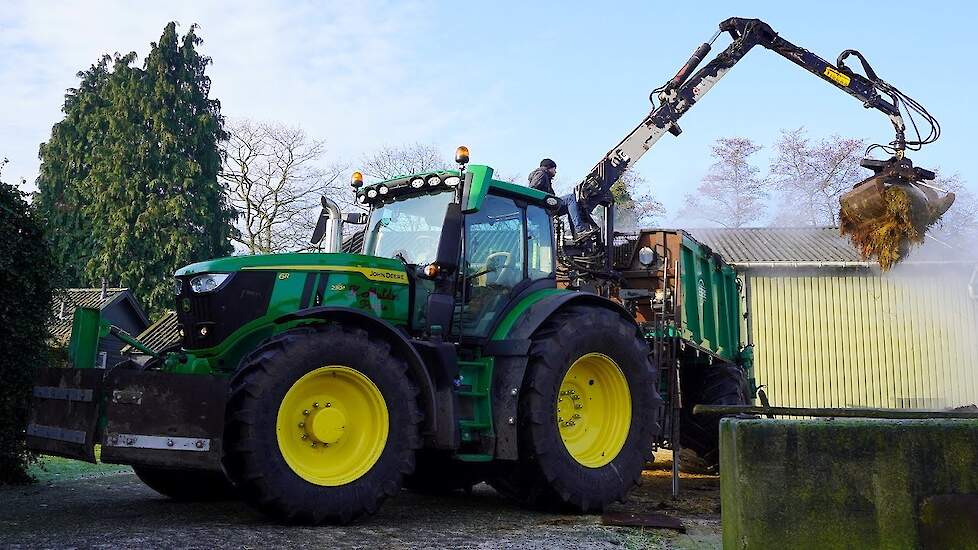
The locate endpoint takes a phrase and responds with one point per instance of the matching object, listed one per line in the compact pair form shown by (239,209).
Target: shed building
(118,306)
(830,330)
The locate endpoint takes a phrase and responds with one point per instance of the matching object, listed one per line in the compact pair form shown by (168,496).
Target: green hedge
(26,272)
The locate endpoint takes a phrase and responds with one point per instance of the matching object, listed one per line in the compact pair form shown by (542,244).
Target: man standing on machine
(542,179)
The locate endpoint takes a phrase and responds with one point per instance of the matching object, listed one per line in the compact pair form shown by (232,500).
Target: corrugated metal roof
(163,333)
(67,299)
(812,245)
(771,244)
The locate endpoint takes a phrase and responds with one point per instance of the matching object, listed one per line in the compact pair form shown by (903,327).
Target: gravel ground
(118,510)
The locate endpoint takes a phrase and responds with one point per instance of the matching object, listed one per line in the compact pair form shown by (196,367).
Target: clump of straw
(887,237)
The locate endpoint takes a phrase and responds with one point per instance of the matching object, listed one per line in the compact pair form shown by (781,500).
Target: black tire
(437,473)
(253,459)
(713,385)
(546,475)
(186,485)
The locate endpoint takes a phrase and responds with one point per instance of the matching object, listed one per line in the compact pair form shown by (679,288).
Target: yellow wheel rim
(594,410)
(332,425)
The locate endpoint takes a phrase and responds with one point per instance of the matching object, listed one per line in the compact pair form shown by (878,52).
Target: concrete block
(849,483)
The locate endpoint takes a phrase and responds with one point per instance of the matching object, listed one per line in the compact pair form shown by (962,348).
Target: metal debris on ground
(632,519)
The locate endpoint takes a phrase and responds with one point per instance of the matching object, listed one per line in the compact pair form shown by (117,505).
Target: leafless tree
(274,178)
(810,176)
(959,225)
(513,178)
(389,162)
(635,210)
(732,193)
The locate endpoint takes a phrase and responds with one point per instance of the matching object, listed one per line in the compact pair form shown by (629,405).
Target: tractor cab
(500,245)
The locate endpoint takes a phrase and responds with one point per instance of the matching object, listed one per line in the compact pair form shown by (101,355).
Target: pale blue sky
(513,81)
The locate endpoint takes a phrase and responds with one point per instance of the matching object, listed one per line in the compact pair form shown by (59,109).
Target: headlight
(208,282)
(647,256)
(434,180)
(417,183)
(383,189)
(452,181)
(177,287)
(371,193)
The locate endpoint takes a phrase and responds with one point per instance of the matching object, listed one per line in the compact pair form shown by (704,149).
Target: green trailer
(690,305)
(442,354)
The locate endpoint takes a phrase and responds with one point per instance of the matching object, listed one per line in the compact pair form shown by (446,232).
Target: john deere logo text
(385,275)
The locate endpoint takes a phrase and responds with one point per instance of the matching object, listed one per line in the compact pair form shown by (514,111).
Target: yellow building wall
(864,340)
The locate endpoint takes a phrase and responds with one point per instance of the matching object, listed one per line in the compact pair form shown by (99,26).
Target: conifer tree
(145,199)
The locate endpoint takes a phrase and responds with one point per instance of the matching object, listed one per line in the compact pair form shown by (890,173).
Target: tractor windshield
(408,229)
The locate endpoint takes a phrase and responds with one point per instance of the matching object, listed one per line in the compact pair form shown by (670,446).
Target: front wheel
(323,425)
(587,413)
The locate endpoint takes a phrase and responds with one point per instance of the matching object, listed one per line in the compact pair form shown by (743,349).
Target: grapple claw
(889,212)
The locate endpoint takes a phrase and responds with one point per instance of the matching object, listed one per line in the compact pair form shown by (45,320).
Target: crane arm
(686,88)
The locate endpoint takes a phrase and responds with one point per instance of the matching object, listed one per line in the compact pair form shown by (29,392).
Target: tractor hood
(372,267)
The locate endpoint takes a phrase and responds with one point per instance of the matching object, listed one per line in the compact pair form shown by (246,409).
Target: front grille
(241,300)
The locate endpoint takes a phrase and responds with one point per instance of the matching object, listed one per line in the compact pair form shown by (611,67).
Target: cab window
(539,243)
(494,263)
(407,229)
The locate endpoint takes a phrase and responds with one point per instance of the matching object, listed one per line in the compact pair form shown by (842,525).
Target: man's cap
(547,163)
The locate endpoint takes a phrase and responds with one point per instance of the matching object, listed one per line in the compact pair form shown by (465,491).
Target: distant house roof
(67,299)
(162,334)
(809,246)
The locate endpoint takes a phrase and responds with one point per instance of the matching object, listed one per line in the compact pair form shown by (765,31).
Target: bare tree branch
(635,211)
(959,225)
(389,162)
(732,193)
(274,180)
(810,177)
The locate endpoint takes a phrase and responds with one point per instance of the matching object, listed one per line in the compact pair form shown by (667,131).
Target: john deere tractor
(450,350)
(318,384)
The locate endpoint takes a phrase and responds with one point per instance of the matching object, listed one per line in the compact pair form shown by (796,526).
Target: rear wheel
(323,425)
(587,413)
(713,385)
(187,485)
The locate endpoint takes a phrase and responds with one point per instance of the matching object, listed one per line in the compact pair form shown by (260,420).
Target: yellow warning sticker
(837,77)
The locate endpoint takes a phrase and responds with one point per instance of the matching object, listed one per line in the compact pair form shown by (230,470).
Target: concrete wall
(837,483)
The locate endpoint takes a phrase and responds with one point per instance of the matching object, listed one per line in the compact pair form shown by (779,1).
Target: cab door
(494,262)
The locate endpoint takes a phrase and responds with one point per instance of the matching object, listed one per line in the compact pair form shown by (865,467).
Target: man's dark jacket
(540,179)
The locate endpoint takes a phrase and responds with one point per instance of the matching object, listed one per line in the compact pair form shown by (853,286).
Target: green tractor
(315,385)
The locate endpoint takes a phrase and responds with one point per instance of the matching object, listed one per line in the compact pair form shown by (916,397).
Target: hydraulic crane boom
(686,88)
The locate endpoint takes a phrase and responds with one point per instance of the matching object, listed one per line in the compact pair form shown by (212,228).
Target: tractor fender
(543,309)
(399,342)
(511,351)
